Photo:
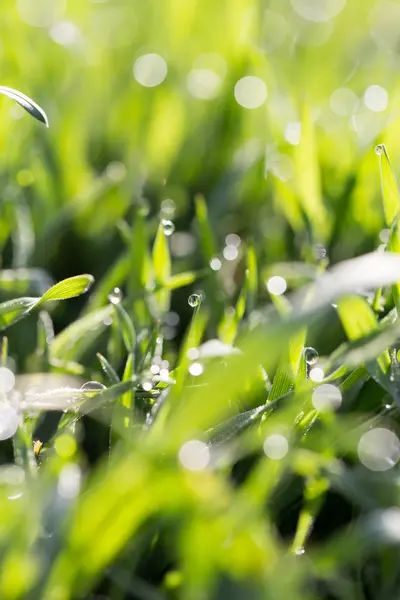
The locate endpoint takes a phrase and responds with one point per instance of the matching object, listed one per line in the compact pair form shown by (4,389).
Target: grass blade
(27,103)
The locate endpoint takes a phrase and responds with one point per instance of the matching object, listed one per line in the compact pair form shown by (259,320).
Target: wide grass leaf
(68,288)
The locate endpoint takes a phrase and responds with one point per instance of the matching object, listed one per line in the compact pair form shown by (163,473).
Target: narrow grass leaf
(127,328)
(390,190)
(27,103)
(108,369)
(74,340)
(207,242)
(358,320)
(161,269)
(308,177)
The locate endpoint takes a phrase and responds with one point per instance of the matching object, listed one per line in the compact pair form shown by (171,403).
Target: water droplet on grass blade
(115,296)
(310,355)
(93,386)
(379,149)
(196,369)
(168,226)
(194,300)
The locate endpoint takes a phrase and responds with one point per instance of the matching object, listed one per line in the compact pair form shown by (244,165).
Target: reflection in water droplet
(69,482)
(196,369)
(376,98)
(168,207)
(115,296)
(276,446)
(230,252)
(204,84)
(150,70)
(147,385)
(384,235)
(194,300)
(276,285)
(7,379)
(93,386)
(168,226)
(293,133)
(215,264)
(310,355)
(194,455)
(316,374)
(343,102)
(320,252)
(15,496)
(250,92)
(318,10)
(326,398)
(233,239)
(9,421)
(379,449)
(379,149)
(300,551)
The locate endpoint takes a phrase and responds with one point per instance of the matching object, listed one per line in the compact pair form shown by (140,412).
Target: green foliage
(172,434)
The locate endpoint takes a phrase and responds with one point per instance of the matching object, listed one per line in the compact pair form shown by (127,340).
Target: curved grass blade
(27,103)
(108,369)
(67,288)
(74,340)
(14,310)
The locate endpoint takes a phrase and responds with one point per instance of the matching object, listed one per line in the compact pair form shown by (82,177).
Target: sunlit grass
(216,417)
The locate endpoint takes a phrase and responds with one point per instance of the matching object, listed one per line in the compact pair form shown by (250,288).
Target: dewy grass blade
(27,103)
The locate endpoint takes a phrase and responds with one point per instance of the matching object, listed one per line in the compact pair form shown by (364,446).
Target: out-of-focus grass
(219,418)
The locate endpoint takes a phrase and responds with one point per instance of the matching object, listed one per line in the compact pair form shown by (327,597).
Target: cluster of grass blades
(205,406)
(216,469)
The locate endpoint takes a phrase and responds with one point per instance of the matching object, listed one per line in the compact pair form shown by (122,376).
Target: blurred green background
(270,110)
(328,68)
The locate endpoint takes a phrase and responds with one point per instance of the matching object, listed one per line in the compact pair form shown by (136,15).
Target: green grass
(177,429)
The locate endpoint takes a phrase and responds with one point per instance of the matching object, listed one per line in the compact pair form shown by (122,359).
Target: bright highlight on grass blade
(27,103)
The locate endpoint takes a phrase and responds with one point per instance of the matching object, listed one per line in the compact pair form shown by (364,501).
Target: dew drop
(93,386)
(215,264)
(9,421)
(115,296)
(196,369)
(379,149)
(310,355)
(147,385)
(194,300)
(300,551)
(168,226)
